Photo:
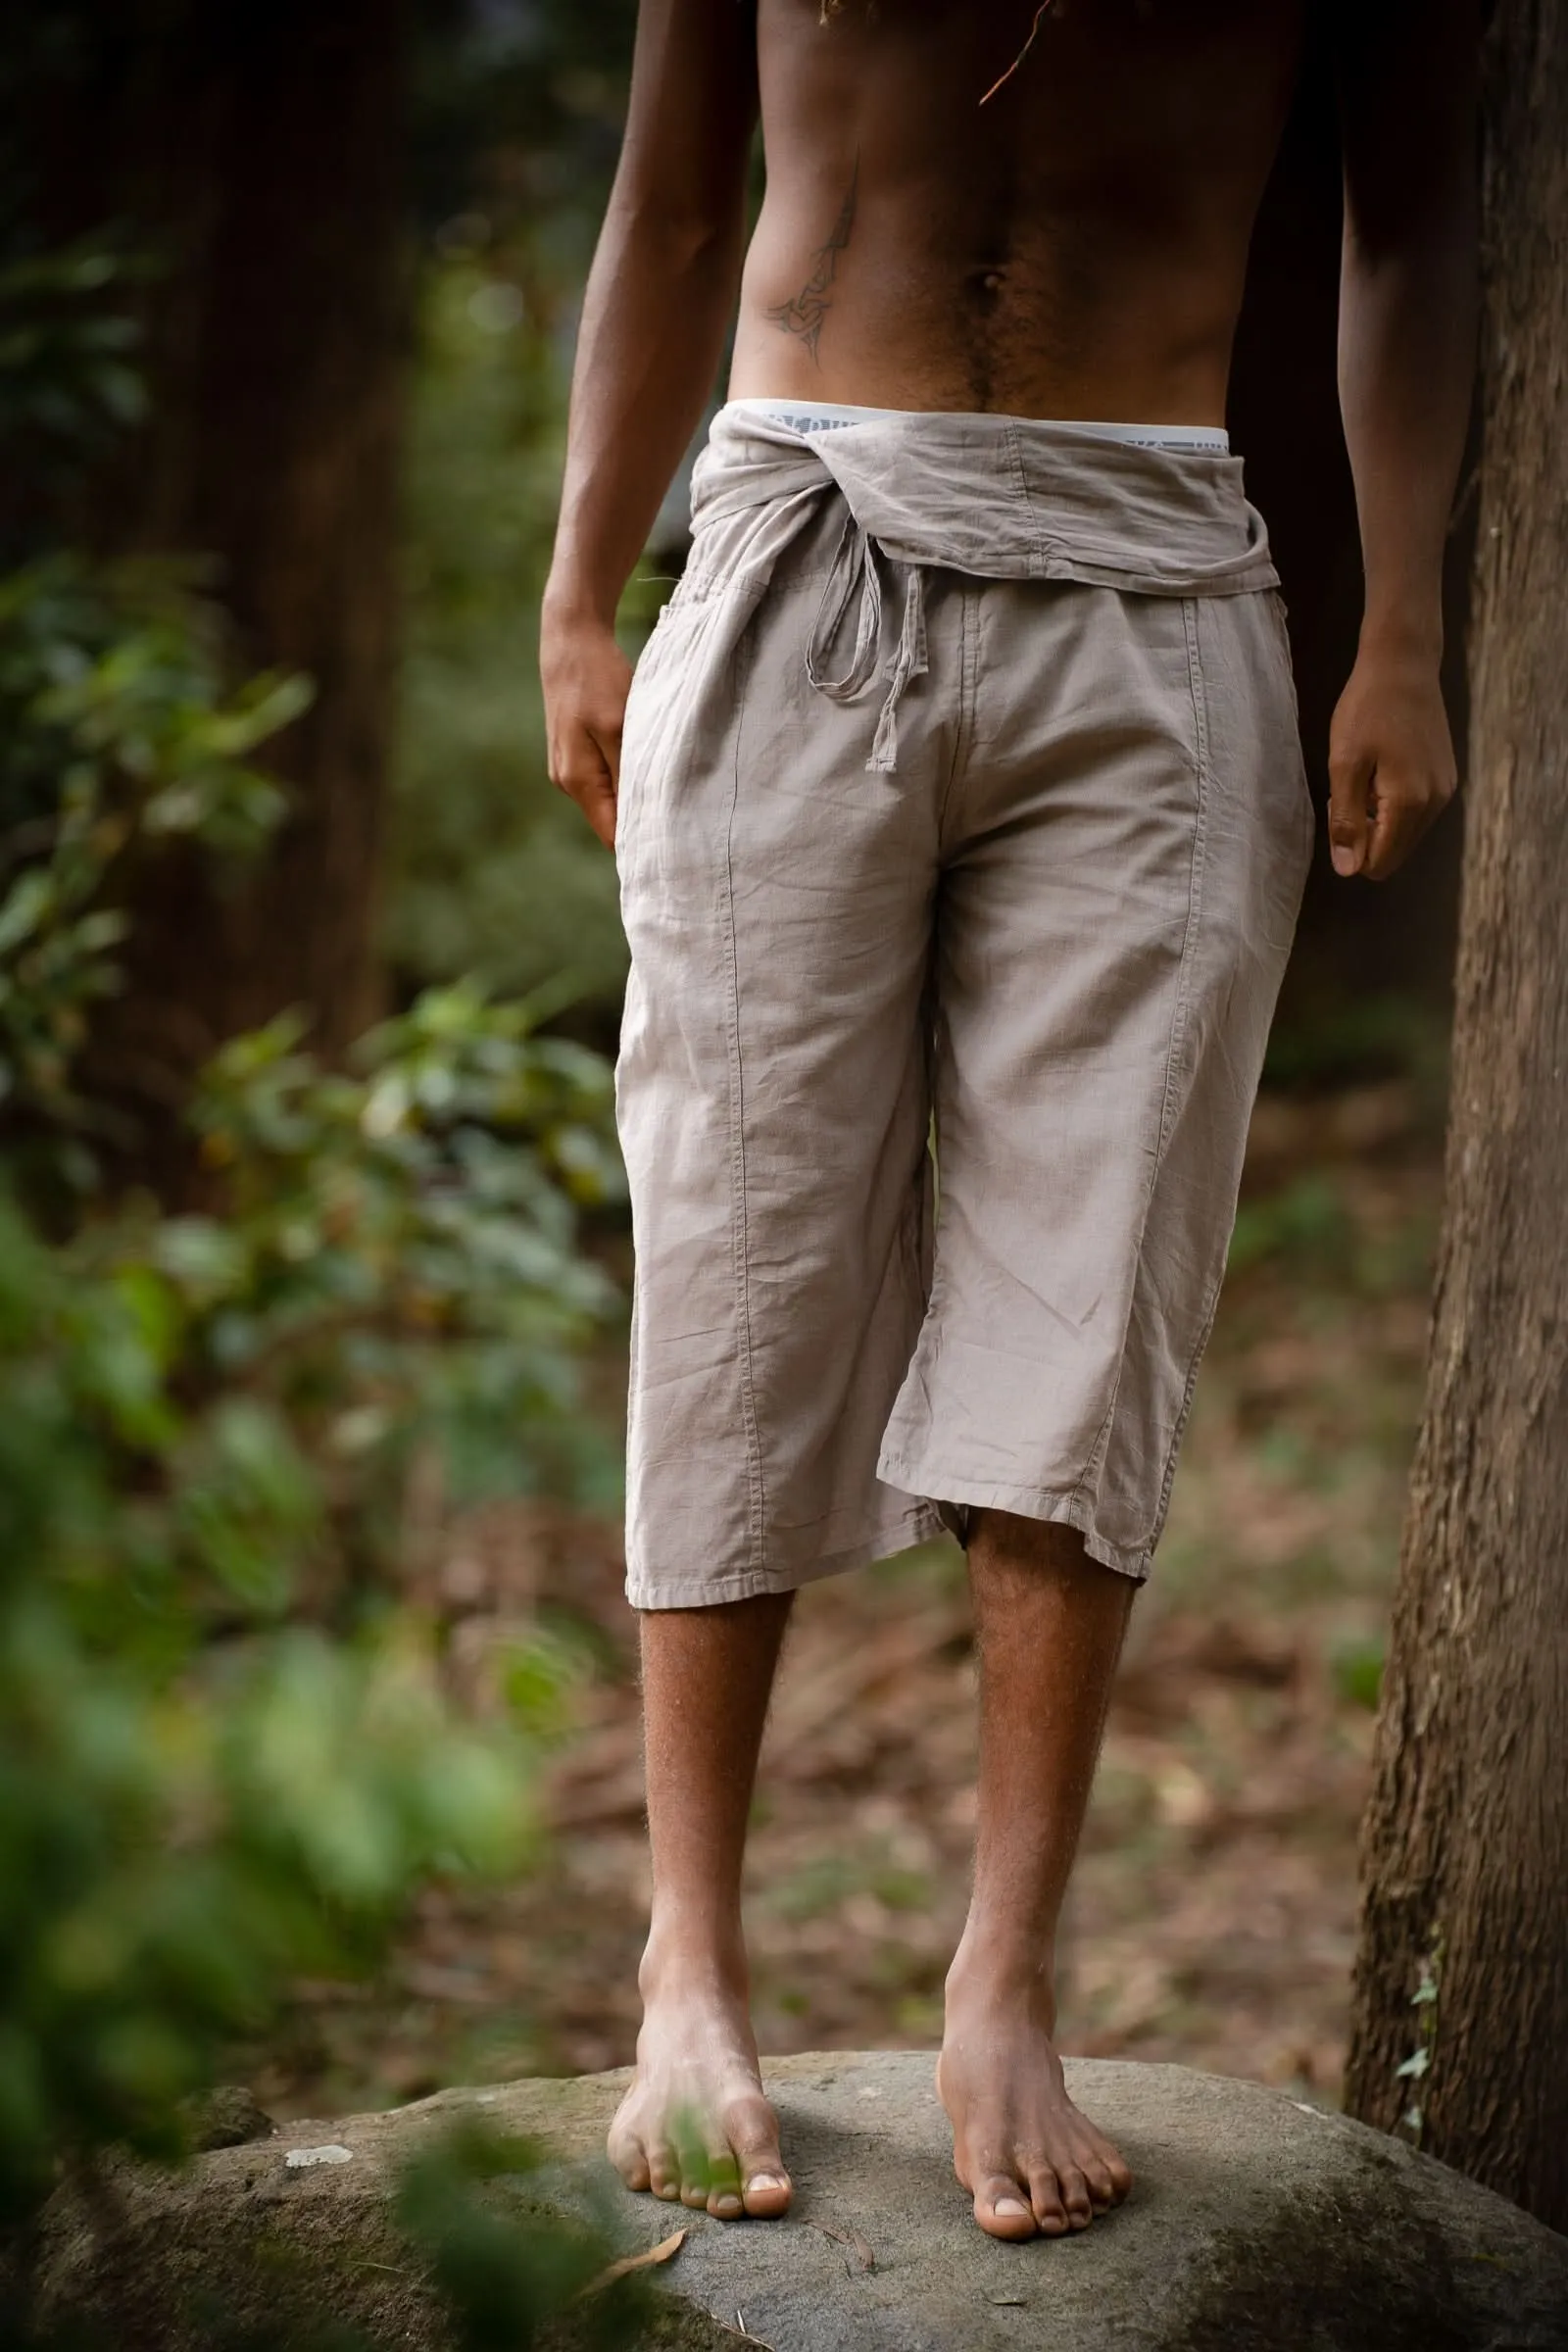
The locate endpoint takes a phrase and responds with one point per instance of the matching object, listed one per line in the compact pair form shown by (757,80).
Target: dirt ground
(1212,1916)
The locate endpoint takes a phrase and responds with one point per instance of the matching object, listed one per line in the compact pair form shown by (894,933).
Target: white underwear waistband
(826,416)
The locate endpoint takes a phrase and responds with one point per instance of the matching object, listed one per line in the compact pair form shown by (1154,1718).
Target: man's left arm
(1407,330)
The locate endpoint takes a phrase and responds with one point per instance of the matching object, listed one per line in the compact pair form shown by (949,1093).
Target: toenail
(764,2181)
(1009,2206)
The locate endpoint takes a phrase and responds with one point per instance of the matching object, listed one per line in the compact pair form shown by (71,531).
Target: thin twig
(1044,10)
(744,2333)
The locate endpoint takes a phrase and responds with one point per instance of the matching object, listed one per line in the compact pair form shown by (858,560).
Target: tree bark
(1465,1844)
(257,148)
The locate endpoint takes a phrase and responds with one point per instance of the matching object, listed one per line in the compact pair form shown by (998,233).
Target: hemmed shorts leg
(1092,1113)
(774,1109)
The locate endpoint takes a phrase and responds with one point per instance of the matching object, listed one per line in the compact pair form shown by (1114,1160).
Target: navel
(985,286)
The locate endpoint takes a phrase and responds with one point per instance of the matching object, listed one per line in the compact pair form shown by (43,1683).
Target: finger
(604,736)
(598,807)
(589,784)
(1349,793)
(1398,822)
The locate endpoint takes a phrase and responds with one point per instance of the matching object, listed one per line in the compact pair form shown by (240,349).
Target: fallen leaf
(665,2251)
(856,2244)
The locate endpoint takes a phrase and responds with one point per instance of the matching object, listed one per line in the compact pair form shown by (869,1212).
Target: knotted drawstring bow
(855,563)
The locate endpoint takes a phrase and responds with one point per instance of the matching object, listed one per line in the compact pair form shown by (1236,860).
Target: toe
(1075,2197)
(753,2130)
(1044,2197)
(724,2201)
(692,2155)
(663,2169)
(626,2153)
(1097,2176)
(768,2192)
(1101,2161)
(1002,2208)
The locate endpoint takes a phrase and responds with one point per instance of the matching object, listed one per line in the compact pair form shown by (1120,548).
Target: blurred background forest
(319,1764)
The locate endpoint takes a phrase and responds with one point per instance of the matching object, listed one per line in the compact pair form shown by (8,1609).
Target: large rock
(1255,2221)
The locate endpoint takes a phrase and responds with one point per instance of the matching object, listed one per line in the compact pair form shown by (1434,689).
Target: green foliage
(1357,1040)
(493,870)
(398,1268)
(70,380)
(207,1425)
(517,125)
(1357,1666)
(508,2273)
(118,730)
(517,109)
(230,1743)
(1305,1222)
(181,1825)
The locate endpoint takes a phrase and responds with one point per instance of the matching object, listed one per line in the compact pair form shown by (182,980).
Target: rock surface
(1253,2222)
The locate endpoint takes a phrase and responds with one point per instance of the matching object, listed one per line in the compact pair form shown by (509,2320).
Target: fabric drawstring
(855,566)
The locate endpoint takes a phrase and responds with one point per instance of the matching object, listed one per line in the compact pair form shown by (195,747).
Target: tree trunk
(1465,1845)
(257,147)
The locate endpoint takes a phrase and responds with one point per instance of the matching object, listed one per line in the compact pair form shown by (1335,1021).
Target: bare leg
(1050,1624)
(695,2123)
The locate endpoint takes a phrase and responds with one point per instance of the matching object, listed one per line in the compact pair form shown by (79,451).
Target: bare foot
(1034,2165)
(695,2125)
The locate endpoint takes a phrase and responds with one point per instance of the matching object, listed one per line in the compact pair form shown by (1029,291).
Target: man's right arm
(659,298)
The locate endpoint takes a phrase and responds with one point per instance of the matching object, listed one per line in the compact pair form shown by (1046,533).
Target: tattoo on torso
(804,315)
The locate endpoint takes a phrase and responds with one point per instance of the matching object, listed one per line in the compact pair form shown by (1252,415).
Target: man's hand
(1390,762)
(586,679)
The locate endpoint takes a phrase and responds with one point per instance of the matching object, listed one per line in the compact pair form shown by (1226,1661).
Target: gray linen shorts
(963,832)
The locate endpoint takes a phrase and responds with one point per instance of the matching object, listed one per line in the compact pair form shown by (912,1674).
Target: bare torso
(1072,245)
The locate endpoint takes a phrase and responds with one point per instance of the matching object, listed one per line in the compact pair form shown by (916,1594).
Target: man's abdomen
(1073,245)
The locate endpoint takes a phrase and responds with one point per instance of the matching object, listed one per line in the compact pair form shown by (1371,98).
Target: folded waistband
(1002,497)
(1005,497)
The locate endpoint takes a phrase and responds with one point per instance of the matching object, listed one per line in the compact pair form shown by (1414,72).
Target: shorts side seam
(1178,1035)
(1205,1326)
(1178,1013)
(757,1492)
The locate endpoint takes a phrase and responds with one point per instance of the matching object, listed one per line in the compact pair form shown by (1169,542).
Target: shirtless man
(962,772)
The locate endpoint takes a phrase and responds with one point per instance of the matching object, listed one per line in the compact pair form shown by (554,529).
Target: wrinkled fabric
(960,797)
